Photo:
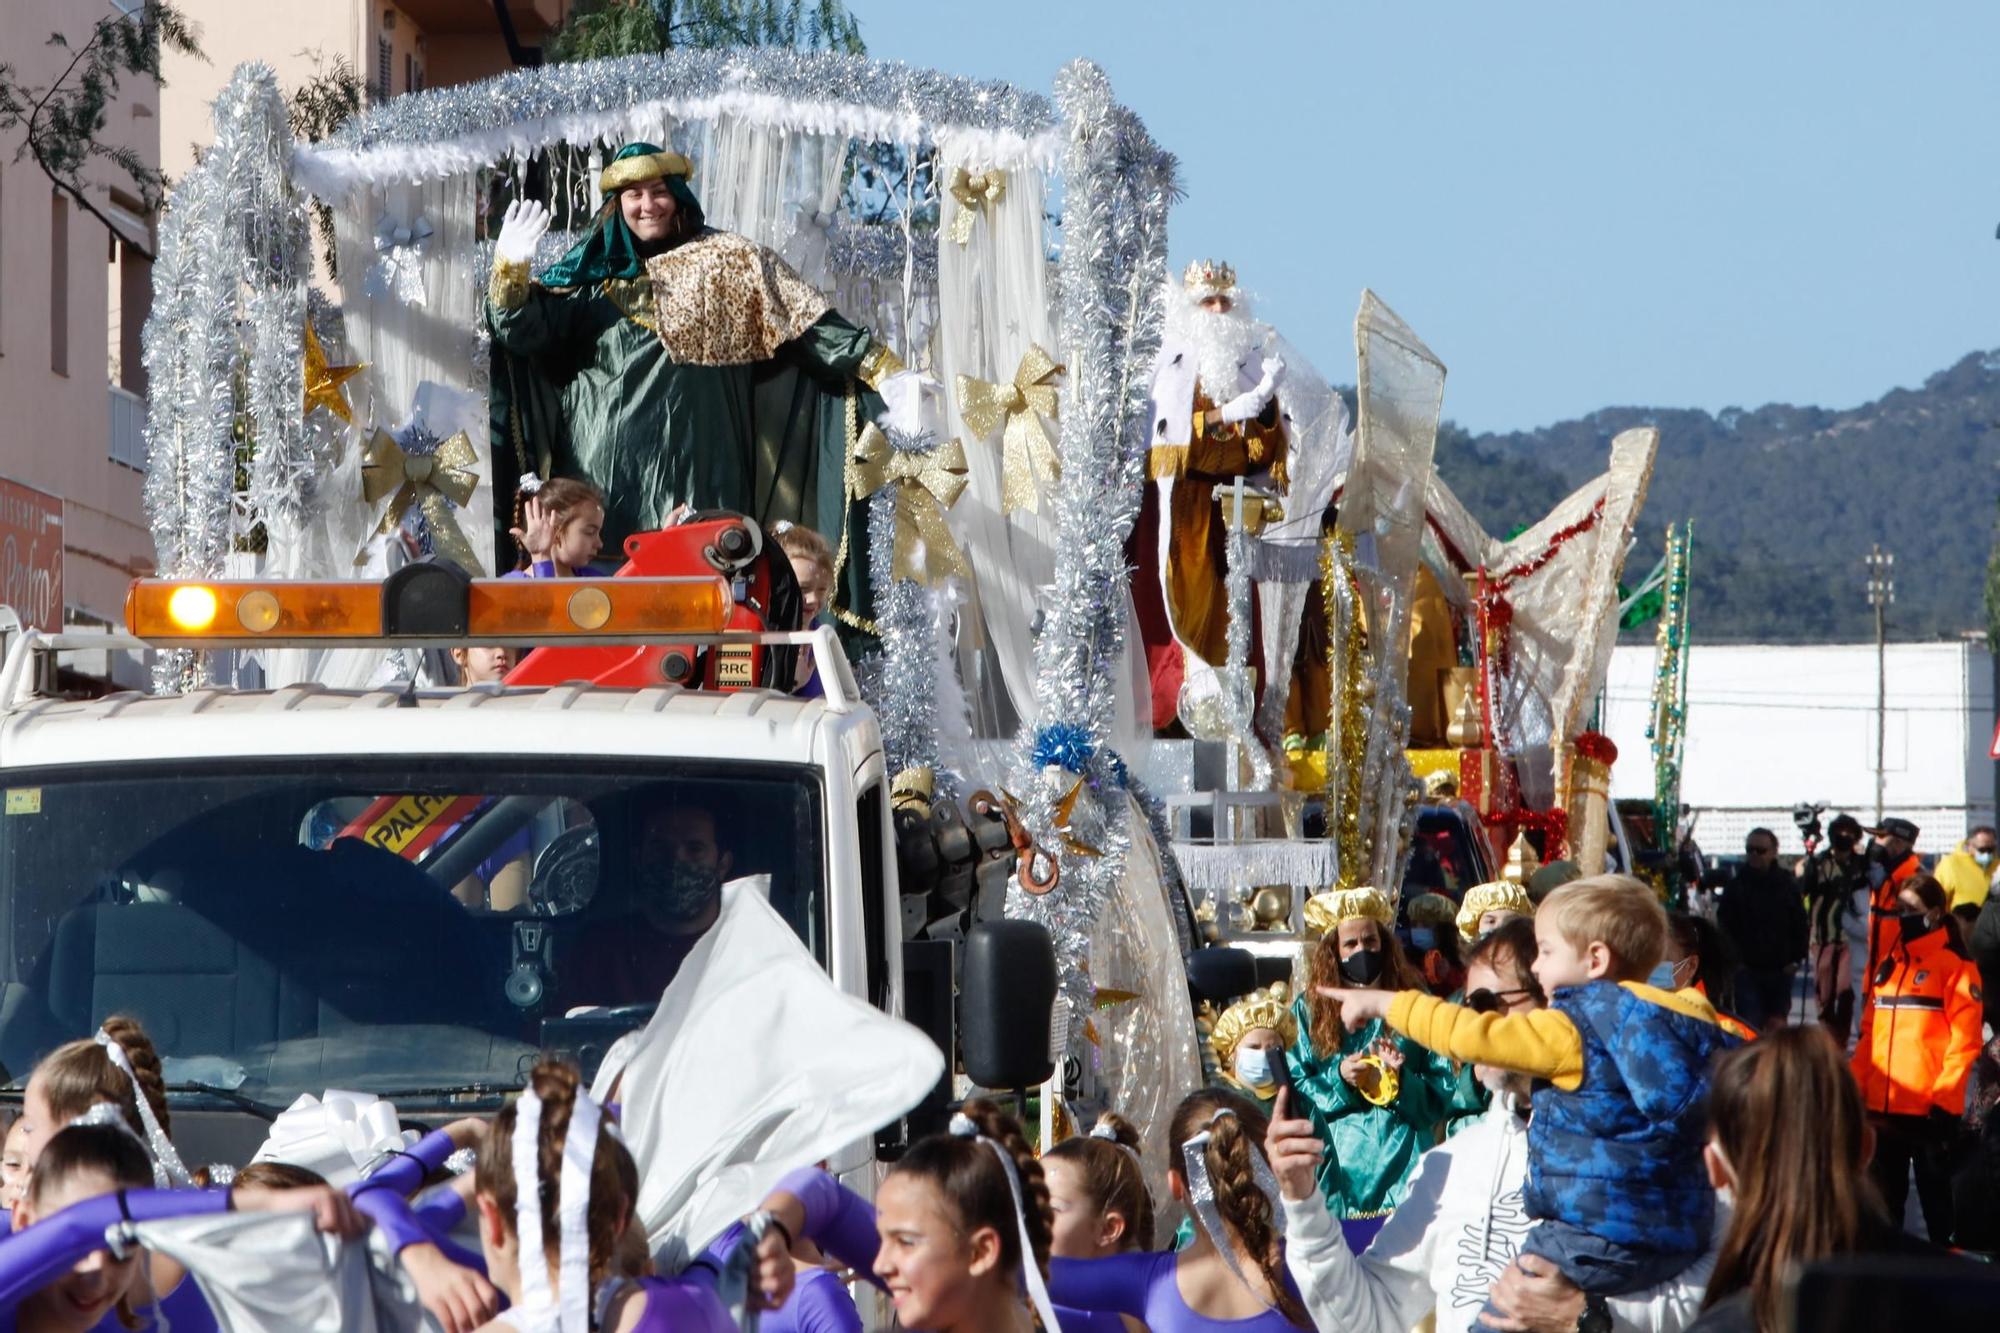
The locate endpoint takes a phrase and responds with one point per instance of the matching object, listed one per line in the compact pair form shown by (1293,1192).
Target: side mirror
(1219,973)
(1006,994)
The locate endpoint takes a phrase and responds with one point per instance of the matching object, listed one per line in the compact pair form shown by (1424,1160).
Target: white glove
(912,402)
(521,230)
(1246,405)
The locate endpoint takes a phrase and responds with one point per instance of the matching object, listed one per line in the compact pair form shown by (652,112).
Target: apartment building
(393,48)
(74,294)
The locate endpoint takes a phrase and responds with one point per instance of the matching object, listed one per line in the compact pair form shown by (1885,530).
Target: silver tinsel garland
(1117,188)
(232,257)
(901,680)
(864,250)
(1238,703)
(442,131)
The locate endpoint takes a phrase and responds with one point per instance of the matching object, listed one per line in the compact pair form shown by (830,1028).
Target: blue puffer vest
(1620,1157)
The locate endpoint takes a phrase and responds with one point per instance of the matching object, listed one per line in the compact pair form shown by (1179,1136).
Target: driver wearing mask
(676,895)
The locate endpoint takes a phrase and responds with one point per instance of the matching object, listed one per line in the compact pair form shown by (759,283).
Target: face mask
(1662,977)
(680,890)
(1423,939)
(1984,858)
(1362,966)
(1253,1066)
(1878,853)
(1913,924)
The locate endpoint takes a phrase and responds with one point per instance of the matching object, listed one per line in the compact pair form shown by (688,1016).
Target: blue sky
(1695,204)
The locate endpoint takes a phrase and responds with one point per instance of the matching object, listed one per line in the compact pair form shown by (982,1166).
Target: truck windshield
(386,924)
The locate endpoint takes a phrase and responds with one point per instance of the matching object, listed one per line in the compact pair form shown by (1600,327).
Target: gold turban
(1263,1009)
(643,167)
(1499,896)
(1324,911)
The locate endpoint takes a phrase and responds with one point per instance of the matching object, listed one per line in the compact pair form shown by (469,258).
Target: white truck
(390,890)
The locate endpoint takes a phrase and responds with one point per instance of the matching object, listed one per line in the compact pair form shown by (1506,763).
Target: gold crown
(1263,1009)
(1209,277)
(1325,911)
(1498,896)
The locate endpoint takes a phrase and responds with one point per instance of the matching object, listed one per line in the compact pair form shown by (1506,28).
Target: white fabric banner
(755,1064)
(276,1272)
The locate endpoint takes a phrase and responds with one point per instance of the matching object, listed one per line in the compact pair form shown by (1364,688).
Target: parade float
(339,427)
(334,431)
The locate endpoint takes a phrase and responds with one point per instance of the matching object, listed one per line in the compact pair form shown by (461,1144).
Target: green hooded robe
(584,385)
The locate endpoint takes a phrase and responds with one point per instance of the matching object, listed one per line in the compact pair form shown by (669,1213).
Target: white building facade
(1773,725)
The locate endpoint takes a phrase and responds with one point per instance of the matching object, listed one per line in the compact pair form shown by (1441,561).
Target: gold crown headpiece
(1325,911)
(1499,896)
(1269,1008)
(1209,277)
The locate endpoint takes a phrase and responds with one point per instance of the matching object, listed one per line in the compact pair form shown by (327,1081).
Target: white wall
(1772,725)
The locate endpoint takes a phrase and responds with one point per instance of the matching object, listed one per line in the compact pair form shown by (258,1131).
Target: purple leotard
(818,1304)
(1143,1285)
(546,569)
(31,1259)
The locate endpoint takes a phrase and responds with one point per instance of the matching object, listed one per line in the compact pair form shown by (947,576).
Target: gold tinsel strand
(1347,727)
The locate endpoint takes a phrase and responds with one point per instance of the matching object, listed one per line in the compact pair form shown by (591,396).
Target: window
(385,68)
(58,284)
(349,921)
(413,74)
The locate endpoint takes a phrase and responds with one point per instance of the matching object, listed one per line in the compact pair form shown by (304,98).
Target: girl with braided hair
(1234,1272)
(576,1237)
(118,1066)
(1098,1193)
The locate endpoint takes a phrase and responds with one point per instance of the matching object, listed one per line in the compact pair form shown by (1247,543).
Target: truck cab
(408,891)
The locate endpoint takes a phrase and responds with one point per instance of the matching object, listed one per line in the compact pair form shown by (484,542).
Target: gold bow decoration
(974,190)
(433,481)
(1028,457)
(927,482)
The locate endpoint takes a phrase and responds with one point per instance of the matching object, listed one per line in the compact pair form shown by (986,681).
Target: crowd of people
(1630,1155)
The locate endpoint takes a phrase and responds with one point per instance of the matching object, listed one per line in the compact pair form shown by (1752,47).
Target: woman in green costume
(669,364)
(1375,1098)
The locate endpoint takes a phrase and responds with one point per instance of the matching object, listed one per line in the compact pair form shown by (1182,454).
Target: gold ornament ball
(1271,906)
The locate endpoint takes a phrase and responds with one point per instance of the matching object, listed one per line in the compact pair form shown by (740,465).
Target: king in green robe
(697,370)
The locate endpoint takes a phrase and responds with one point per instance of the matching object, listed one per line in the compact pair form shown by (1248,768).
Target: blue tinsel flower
(1063,744)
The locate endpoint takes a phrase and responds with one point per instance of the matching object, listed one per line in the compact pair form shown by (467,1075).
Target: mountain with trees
(1786,502)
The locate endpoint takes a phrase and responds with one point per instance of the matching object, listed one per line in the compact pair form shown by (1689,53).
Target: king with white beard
(1216,417)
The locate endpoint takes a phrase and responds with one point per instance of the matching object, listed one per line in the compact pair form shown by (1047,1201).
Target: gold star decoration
(323,381)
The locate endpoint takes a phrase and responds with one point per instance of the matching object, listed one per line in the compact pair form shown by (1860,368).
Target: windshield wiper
(262,1110)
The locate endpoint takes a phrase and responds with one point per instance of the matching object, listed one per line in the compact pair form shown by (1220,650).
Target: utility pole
(1881,592)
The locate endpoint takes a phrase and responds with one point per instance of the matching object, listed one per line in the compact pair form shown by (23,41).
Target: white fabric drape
(755,1064)
(753,178)
(404,344)
(275,1272)
(994,301)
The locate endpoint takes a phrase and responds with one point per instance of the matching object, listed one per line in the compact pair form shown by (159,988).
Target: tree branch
(84,203)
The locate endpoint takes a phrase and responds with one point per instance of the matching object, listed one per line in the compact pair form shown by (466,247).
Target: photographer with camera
(1764,916)
(1835,881)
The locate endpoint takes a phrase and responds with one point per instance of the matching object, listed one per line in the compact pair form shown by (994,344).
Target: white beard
(1226,345)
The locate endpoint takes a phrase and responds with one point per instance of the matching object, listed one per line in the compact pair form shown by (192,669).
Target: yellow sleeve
(1542,1043)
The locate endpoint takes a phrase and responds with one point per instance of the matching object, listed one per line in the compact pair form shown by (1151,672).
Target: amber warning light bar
(424,604)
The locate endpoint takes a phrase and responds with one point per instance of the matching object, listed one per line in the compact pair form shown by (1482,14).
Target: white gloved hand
(913,402)
(1246,405)
(521,230)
